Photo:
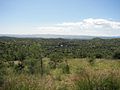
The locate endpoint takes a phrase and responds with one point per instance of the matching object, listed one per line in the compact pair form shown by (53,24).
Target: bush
(57,73)
(98,55)
(55,60)
(92,60)
(116,55)
(19,67)
(65,68)
(2,73)
(33,66)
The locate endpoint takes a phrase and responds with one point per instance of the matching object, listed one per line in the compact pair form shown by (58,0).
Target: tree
(66,68)
(98,55)
(36,53)
(116,55)
(91,60)
(55,59)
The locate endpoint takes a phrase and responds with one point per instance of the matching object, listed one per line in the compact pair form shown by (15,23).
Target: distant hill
(6,37)
(54,36)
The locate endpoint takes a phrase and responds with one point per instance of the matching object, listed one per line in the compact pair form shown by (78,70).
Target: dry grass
(103,75)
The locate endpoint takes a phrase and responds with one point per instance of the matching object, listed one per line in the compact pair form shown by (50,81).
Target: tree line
(20,49)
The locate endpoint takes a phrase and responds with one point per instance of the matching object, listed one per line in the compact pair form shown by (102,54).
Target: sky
(62,17)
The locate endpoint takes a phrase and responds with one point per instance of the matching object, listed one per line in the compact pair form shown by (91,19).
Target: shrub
(65,68)
(98,55)
(57,73)
(116,55)
(92,60)
(19,67)
(2,73)
(55,60)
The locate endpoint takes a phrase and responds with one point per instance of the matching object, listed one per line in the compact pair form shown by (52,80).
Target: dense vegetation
(51,64)
(18,49)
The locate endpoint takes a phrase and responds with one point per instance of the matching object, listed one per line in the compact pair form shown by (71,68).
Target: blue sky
(38,16)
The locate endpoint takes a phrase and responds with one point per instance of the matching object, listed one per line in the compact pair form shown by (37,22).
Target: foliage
(2,73)
(55,60)
(116,55)
(65,67)
(60,71)
(92,60)
(104,76)
(18,67)
(20,49)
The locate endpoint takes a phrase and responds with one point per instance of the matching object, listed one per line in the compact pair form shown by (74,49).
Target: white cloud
(94,27)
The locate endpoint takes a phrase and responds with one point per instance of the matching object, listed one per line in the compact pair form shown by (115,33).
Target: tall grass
(99,80)
(103,75)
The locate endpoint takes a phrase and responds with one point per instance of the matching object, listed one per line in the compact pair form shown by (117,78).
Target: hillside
(56,36)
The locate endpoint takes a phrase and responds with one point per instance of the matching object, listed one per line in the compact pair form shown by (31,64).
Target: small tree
(30,64)
(36,54)
(116,55)
(66,68)
(91,59)
(55,59)
(98,55)
(18,67)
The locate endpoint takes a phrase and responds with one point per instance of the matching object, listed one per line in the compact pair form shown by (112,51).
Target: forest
(59,64)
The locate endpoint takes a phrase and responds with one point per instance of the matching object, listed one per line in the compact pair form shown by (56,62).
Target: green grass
(102,75)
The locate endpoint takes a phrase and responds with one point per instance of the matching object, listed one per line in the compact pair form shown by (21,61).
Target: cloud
(93,27)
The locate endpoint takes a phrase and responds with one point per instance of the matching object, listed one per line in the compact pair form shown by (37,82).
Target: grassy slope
(82,76)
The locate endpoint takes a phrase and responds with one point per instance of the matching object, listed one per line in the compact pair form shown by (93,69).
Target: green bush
(91,60)
(55,60)
(65,68)
(98,55)
(19,68)
(2,73)
(116,55)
